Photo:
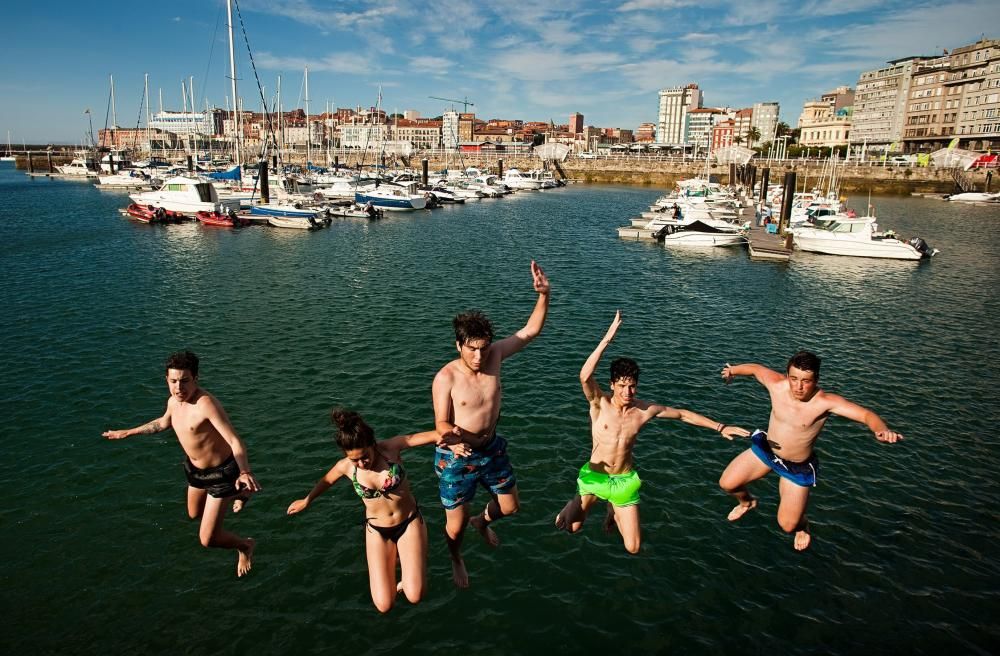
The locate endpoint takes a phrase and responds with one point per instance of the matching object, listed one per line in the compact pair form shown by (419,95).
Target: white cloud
(304,12)
(429,64)
(643,5)
(546,65)
(342,62)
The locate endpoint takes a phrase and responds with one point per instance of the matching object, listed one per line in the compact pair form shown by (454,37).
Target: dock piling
(31,168)
(423,171)
(48,156)
(265,191)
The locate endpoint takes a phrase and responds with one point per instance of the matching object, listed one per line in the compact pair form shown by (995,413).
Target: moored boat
(150,214)
(223,220)
(858,237)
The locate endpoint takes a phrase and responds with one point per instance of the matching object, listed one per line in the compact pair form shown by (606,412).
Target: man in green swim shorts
(616,420)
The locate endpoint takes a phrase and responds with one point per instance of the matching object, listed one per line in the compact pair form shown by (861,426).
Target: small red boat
(150,214)
(230,220)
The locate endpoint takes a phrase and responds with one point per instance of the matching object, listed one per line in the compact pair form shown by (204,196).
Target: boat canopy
(231,174)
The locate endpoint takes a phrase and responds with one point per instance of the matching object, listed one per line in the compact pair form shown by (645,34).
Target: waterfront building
(723,133)
(363,135)
(931,109)
(646,132)
(576,123)
(974,77)
(827,122)
(457,128)
(189,123)
(880,100)
(411,114)
(422,133)
(741,125)
(700,122)
(672,116)
(764,117)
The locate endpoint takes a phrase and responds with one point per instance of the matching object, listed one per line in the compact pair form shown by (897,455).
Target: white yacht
(858,237)
(703,232)
(186,195)
(82,165)
(514,179)
(975,197)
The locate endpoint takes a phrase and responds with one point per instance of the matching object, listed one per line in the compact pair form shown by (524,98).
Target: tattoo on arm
(150,428)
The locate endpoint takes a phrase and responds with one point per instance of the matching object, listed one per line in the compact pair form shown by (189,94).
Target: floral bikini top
(395,478)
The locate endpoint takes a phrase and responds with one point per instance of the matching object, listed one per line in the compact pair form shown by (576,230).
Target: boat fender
(297,206)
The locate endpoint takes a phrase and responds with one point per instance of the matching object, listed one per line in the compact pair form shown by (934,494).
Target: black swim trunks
(218,481)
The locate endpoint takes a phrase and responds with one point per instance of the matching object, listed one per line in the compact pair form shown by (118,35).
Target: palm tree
(753,134)
(737,140)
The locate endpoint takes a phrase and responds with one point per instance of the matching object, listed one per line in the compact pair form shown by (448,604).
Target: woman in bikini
(394,527)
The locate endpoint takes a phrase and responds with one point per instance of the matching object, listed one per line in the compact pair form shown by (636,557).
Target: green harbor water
(98,556)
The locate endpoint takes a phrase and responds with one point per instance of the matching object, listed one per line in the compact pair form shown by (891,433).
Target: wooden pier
(766,246)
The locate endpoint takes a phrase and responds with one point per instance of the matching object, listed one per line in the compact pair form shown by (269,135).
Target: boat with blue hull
(395,199)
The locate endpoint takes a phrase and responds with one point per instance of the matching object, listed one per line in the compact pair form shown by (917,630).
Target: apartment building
(827,122)
(672,116)
(974,79)
(700,122)
(880,100)
(764,117)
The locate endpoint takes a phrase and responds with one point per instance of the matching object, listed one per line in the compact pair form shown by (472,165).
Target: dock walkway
(763,245)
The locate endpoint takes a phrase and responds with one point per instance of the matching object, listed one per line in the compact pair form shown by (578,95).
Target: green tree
(753,134)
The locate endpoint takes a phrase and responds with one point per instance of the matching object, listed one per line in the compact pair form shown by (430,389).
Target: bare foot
(399,587)
(802,538)
(480,524)
(742,509)
(458,573)
(610,525)
(245,562)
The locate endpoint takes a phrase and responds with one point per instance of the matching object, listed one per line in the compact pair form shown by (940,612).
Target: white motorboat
(188,196)
(858,237)
(514,179)
(703,233)
(299,222)
(391,197)
(975,197)
(82,166)
(129,179)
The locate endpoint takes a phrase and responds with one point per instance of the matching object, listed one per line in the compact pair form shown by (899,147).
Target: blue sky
(533,61)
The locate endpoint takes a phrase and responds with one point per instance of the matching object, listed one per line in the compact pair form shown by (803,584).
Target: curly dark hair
(182,360)
(472,325)
(806,361)
(624,368)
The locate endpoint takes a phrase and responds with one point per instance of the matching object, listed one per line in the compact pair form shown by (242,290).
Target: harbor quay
(873,176)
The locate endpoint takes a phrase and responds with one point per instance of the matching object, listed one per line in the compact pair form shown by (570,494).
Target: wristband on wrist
(247,472)
(721,428)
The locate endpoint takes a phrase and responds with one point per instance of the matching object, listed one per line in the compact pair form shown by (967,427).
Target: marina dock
(764,246)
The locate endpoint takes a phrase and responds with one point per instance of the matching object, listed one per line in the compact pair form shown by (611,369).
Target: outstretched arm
(220,420)
(157,425)
(452,439)
(763,375)
(322,485)
(590,387)
(511,345)
(844,408)
(693,418)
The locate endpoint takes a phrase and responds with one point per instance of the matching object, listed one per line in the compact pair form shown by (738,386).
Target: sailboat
(9,155)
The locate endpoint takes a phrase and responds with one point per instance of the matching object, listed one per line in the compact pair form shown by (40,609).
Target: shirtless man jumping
(467,396)
(799,410)
(216,466)
(615,421)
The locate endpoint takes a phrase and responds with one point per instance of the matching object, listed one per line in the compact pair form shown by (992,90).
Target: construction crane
(465,102)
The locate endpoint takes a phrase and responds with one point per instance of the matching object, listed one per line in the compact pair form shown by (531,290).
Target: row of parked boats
(310,199)
(701,213)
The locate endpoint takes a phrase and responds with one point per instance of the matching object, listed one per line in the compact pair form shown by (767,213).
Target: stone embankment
(867,177)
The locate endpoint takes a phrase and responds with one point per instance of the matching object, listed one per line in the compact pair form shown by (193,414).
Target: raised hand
(539,279)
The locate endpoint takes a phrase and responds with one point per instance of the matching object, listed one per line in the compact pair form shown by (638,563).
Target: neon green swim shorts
(619,489)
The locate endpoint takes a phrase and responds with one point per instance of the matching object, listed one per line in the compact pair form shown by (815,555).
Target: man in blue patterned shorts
(467,397)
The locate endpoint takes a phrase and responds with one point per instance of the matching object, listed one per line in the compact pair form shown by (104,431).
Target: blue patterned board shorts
(488,466)
(801,473)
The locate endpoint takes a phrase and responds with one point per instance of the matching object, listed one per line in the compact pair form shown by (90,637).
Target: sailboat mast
(232,78)
(308,135)
(145,83)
